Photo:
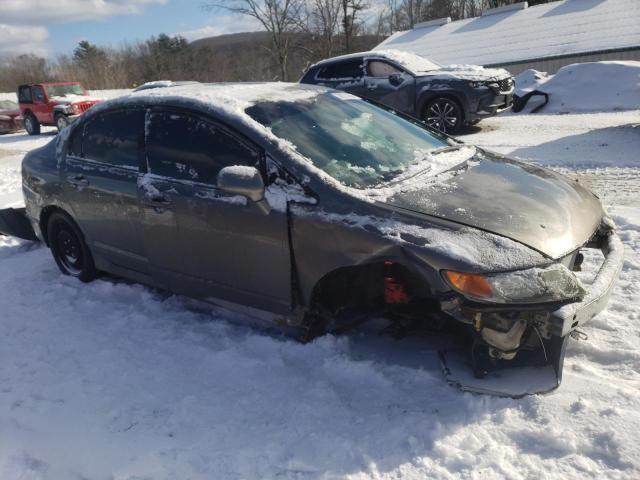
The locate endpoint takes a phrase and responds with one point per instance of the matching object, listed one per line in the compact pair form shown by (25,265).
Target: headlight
(534,285)
(477,84)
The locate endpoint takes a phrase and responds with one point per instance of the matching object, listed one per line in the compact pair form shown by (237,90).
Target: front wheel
(443,114)
(69,249)
(61,122)
(31,124)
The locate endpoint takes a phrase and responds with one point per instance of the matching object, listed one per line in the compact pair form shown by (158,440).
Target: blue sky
(176,16)
(51,27)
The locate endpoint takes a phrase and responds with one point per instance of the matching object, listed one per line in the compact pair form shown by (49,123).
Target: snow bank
(586,87)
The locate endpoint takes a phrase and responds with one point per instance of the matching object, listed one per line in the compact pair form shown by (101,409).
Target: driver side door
(389,85)
(202,241)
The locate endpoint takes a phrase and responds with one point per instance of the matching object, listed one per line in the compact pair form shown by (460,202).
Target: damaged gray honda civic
(315,210)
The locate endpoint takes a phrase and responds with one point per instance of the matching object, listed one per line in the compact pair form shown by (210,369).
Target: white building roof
(554,29)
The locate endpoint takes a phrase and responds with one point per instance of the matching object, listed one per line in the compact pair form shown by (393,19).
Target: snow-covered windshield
(412,62)
(63,90)
(357,143)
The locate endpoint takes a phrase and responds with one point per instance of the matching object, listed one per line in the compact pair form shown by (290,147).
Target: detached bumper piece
(14,223)
(569,317)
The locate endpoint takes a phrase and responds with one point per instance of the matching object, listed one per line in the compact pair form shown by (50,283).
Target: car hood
(467,72)
(534,206)
(69,99)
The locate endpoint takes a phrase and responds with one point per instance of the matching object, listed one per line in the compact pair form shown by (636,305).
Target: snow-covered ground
(585,87)
(112,380)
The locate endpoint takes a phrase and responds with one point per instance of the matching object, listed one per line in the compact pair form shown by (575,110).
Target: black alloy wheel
(443,114)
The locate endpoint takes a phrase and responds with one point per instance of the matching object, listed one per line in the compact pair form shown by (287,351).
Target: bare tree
(350,10)
(324,18)
(281,18)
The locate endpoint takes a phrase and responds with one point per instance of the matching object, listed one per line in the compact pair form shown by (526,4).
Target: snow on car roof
(541,31)
(411,61)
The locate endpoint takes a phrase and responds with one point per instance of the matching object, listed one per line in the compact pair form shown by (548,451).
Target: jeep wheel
(443,114)
(31,124)
(61,121)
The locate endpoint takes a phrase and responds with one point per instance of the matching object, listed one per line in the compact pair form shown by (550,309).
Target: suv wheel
(31,124)
(443,114)
(69,249)
(61,121)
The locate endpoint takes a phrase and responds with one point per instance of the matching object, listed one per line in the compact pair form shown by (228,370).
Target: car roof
(240,93)
(163,84)
(410,61)
(227,101)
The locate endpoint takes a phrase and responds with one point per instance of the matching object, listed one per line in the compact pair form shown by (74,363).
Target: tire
(443,114)
(69,250)
(61,121)
(31,124)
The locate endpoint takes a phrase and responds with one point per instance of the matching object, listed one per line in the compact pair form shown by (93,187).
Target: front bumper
(553,320)
(490,105)
(569,317)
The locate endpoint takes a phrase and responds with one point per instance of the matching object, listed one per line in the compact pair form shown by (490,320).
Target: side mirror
(242,180)
(245,181)
(396,79)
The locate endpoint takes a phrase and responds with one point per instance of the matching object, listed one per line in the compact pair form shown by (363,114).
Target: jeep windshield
(64,90)
(355,142)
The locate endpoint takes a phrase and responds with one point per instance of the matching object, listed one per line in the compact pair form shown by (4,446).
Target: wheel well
(366,286)
(45,214)
(428,97)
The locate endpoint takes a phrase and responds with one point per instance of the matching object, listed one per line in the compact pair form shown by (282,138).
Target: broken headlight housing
(555,283)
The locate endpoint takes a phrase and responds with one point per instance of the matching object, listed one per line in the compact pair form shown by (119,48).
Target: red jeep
(56,104)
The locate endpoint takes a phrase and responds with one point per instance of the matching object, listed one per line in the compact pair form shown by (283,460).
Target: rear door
(202,241)
(389,85)
(100,177)
(346,75)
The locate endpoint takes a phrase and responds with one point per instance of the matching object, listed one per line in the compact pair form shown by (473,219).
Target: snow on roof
(412,62)
(547,30)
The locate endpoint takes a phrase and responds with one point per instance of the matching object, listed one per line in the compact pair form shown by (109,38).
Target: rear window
(114,138)
(344,69)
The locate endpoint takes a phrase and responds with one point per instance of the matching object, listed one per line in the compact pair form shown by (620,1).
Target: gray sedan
(314,209)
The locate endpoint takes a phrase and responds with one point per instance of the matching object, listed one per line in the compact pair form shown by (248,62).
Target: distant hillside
(232,39)
(247,57)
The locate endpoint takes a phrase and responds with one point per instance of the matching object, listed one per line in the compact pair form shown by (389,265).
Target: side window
(186,147)
(75,143)
(344,69)
(377,68)
(114,137)
(38,94)
(24,95)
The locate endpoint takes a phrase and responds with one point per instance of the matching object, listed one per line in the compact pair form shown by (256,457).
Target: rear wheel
(443,114)
(31,124)
(61,121)
(69,249)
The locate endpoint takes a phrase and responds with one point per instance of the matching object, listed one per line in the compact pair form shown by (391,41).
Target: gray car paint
(259,256)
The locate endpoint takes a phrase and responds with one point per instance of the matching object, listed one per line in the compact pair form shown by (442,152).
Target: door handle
(77,180)
(159,202)
(159,199)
